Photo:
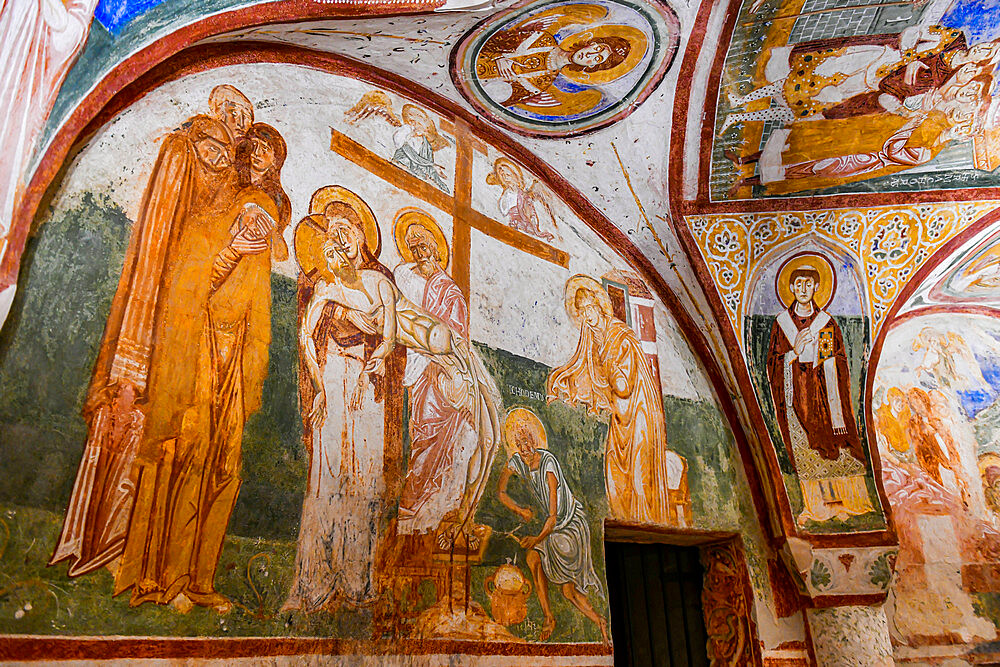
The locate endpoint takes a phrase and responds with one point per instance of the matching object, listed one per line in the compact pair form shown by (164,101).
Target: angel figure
(517,202)
(533,66)
(415,139)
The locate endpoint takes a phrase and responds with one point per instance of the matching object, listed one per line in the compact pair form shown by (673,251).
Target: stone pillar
(850,636)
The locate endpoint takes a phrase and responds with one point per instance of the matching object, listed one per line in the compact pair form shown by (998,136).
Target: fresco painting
(609,371)
(49,38)
(850,99)
(308,412)
(935,415)
(807,338)
(974,278)
(562,69)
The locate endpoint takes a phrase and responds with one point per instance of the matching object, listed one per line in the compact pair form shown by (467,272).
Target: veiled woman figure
(259,159)
(206,374)
(348,412)
(608,371)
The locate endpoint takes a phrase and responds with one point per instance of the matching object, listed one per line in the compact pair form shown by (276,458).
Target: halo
(578,282)
(493,177)
(517,417)
(820,264)
(988,460)
(334,193)
(636,38)
(310,233)
(409,216)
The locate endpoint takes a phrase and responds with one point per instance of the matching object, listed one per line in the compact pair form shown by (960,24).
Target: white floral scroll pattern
(892,242)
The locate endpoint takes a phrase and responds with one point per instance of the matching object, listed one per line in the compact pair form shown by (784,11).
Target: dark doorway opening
(654,591)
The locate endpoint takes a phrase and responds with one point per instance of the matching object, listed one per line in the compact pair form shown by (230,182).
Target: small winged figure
(415,139)
(519,203)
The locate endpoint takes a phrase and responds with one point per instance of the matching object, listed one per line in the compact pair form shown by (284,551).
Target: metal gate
(655,597)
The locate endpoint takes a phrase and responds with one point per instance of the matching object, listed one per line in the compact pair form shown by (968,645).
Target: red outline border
(459,82)
(129,83)
(22,647)
(894,318)
(703,203)
(680,208)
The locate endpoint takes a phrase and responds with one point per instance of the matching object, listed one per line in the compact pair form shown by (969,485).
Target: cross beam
(464,216)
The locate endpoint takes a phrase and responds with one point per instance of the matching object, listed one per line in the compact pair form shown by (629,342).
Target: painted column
(850,636)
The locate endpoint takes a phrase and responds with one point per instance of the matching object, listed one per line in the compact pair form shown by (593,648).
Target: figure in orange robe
(103,495)
(189,330)
(608,371)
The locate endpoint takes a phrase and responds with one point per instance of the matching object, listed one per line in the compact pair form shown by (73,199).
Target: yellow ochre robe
(635,466)
(206,376)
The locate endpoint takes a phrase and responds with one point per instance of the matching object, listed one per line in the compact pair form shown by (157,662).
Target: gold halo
(523,416)
(409,216)
(335,193)
(820,264)
(493,178)
(987,460)
(636,38)
(310,233)
(578,282)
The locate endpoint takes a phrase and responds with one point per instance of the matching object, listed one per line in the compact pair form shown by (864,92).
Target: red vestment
(811,379)
(439,432)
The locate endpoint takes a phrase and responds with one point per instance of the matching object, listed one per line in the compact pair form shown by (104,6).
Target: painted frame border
(116,93)
(468,46)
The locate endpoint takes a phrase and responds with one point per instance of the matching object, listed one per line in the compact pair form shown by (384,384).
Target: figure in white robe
(39,40)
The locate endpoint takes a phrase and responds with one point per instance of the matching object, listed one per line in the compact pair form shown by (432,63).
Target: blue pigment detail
(980,19)
(116,14)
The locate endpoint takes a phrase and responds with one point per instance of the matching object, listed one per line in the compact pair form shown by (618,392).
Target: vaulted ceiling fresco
(370,320)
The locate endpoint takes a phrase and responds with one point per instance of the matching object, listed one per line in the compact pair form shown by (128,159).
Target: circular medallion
(561,69)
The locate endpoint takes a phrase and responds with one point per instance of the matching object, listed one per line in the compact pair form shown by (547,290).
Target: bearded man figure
(442,435)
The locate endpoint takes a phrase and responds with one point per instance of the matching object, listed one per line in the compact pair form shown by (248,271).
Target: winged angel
(415,140)
(547,65)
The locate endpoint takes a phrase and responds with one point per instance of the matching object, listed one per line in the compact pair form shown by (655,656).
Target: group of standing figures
(185,354)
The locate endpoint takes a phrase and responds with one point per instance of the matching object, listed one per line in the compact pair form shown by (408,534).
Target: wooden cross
(459,205)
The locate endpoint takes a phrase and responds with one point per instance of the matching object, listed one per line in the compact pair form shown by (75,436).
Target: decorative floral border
(892,242)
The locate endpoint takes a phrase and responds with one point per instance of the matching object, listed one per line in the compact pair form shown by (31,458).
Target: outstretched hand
(375,366)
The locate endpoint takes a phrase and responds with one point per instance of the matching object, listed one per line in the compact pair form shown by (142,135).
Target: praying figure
(810,387)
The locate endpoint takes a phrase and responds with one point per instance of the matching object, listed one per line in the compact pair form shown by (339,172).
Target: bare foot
(182,603)
(223,608)
(214,600)
(547,629)
(603,625)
